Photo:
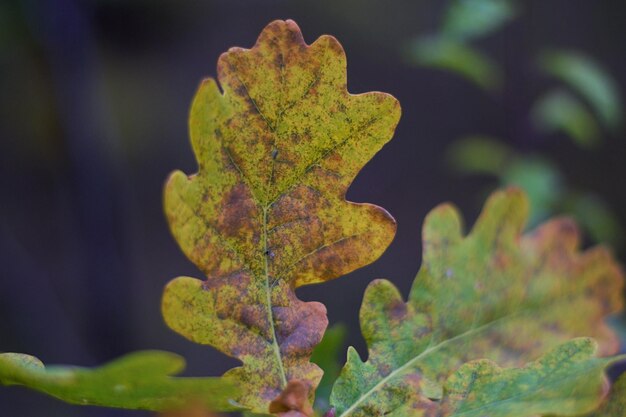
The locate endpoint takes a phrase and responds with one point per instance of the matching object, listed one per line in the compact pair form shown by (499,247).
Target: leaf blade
(569,380)
(266,212)
(494,294)
(141,380)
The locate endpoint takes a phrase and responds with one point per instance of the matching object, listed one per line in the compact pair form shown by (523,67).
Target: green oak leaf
(569,380)
(141,380)
(278,142)
(494,294)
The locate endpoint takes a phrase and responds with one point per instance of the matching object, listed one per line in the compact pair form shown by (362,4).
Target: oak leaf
(277,148)
(496,294)
(141,380)
(569,380)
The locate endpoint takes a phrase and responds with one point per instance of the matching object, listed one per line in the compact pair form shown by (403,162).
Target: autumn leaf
(277,148)
(568,380)
(140,380)
(495,294)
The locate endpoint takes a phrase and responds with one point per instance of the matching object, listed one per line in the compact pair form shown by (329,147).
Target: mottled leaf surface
(569,380)
(494,294)
(277,148)
(141,380)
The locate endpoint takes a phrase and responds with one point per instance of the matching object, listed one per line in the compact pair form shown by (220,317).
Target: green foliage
(498,322)
(494,294)
(585,76)
(559,110)
(587,101)
(568,381)
(458,57)
(450,48)
(471,19)
(536,175)
(141,380)
(327,355)
(547,189)
(478,155)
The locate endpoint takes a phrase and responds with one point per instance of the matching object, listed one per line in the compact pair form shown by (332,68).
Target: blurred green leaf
(470,19)
(589,79)
(327,355)
(541,180)
(539,177)
(140,380)
(596,217)
(457,57)
(478,155)
(558,110)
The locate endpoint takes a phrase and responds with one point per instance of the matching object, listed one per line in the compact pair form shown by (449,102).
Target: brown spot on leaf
(397,310)
(239,214)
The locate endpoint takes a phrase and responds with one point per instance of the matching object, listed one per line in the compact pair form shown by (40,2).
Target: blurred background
(94,96)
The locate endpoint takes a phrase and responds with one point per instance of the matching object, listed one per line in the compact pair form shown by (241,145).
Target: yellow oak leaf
(277,148)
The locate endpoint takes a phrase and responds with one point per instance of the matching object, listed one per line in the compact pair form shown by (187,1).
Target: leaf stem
(268,293)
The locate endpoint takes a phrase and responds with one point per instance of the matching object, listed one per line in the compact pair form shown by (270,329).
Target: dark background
(94,96)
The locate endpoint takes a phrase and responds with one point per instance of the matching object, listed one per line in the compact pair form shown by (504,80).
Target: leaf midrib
(412,361)
(273,197)
(268,294)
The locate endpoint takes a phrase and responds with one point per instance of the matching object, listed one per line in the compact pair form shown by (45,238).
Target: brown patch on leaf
(239,212)
(397,310)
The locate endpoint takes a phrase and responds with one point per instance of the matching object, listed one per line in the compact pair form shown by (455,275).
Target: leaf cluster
(499,321)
